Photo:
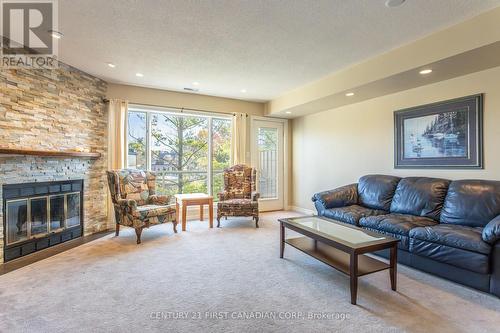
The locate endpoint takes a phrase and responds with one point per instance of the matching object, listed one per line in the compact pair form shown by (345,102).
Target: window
(188,152)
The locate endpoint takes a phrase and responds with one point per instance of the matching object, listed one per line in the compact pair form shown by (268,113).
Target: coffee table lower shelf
(335,258)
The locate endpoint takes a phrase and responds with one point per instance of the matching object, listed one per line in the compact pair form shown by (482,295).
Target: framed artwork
(447,134)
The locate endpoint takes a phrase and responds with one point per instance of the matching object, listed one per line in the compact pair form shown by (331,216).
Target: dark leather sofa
(447,228)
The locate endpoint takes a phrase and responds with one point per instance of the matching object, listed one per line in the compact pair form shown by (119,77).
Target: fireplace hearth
(40,215)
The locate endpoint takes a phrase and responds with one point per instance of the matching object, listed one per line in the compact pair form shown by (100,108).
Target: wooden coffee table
(194,199)
(341,246)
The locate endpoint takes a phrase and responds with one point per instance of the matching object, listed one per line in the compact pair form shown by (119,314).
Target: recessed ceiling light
(349,94)
(425,71)
(111,65)
(288,112)
(195,83)
(139,74)
(394,3)
(56,34)
(243,90)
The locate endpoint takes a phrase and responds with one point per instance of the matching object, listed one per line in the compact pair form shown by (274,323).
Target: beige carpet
(113,285)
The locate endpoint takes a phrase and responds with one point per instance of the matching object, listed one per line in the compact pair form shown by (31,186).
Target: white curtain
(239,138)
(117,140)
(117,137)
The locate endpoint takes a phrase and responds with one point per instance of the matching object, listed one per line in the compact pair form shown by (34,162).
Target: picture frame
(443,135)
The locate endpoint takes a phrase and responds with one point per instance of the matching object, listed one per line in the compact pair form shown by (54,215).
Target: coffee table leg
(282,239)
(394,266)
(353,272)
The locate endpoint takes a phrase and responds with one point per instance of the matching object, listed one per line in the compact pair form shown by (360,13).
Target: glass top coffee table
(341,246)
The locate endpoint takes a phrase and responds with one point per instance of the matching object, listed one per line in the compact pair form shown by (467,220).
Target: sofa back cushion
(376,191)
(420,196)
(471,202)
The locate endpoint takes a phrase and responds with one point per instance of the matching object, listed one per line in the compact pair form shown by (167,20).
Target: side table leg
(353,273)
(394,267)
(211,213)
(201,212)
(177,210)
(184,206)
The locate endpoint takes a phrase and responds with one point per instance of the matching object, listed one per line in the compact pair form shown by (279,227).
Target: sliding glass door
(188,152)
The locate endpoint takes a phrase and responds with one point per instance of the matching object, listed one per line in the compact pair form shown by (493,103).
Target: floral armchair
(239,197)
(135,201)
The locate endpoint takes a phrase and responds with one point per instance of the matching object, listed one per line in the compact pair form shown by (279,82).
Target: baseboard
(302,210)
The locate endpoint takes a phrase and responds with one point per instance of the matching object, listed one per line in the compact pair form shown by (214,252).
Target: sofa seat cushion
(351,214)
(396,225)
(460,246)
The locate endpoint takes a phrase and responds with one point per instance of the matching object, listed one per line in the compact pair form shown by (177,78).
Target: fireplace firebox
(40,215)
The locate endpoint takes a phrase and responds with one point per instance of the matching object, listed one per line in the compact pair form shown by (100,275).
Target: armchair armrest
(127,204)
(491,233)
(339,197)
(156,199)
(255,196)
(223,196)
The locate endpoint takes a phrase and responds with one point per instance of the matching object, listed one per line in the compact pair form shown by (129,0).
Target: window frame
(149,110)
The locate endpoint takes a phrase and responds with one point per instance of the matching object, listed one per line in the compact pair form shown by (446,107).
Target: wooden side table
(194,199)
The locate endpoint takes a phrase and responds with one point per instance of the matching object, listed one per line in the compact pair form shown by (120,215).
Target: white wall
(336,147)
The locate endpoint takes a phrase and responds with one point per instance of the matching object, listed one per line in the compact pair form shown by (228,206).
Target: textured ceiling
(266,47)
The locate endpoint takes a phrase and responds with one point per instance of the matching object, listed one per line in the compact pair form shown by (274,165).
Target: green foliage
(179,151)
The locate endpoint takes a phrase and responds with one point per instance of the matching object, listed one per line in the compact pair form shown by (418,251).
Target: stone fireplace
(51,110)
(40,215)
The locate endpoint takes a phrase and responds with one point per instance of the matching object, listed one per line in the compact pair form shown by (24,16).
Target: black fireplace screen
(38,215)
(29,218)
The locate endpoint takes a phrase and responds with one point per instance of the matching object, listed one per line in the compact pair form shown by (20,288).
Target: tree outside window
(179,150)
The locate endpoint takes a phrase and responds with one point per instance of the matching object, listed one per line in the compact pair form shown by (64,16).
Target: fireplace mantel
(48,153)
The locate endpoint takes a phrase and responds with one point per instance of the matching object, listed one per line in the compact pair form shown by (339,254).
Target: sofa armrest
(159,199)
(255,196)
(339,197)
(495,270)
(491,233)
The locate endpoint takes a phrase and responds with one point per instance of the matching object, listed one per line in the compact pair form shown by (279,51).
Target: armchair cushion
(238,207)
(146,211)
(239,181)
(339,197)
(133,185)
(491,233)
